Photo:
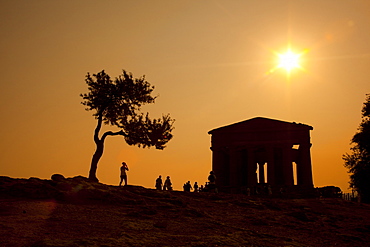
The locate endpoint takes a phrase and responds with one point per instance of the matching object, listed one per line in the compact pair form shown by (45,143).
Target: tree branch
(110,133)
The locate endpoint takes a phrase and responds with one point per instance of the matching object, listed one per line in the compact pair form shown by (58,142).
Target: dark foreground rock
(76,212)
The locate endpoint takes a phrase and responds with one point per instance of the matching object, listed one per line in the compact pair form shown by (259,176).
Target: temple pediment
(260,130)
(262,124)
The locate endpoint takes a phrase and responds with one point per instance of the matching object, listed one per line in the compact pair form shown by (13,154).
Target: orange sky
(208,61)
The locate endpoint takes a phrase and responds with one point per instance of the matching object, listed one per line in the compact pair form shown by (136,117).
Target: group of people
(167,185)
(158,183)
(209,186)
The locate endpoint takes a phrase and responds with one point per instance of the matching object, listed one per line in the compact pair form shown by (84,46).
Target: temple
(262,151)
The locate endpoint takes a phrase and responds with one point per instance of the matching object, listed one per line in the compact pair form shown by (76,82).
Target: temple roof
(261,124)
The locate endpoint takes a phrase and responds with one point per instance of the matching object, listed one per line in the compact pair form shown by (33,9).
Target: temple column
(239,171)
(270,166)
(251,169)
(288,165)
(244,167)
(304,169)
(261,172)
(233,168)
(220,165)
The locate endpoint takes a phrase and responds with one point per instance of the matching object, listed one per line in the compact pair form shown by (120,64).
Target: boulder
(58,178)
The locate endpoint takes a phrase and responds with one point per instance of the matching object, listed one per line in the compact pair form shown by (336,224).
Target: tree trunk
(98,152)
(100,147)
(95,159)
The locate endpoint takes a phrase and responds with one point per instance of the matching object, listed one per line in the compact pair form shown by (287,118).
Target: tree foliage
(118,103)
(358,161)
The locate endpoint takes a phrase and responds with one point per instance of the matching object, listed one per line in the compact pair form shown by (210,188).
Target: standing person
(212,181)
(167,184)
(196,187)
(158,183)
(201,188)
(123,176)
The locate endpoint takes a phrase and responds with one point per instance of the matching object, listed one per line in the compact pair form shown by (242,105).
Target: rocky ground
(75,212)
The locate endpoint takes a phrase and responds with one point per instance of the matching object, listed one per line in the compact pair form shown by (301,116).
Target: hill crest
(76,212)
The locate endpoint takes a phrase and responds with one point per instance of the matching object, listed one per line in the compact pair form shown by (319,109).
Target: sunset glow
(213,63)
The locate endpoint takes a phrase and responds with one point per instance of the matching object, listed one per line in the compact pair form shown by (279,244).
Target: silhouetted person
(281,190)
(167,184)
(187,186)
(158,183)
(196,187)
(212,181)
(201,188)
(123,176)
(257,190)
(269,190)
(206,187)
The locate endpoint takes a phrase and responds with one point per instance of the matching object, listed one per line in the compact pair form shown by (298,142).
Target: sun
(288,60)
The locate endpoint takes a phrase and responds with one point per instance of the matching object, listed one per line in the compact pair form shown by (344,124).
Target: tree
(118,103)
(358,162)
